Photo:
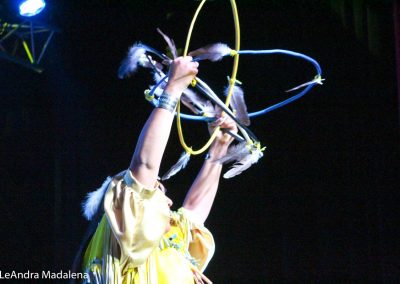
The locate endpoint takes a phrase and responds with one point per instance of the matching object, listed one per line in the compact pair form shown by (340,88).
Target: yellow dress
(130,244)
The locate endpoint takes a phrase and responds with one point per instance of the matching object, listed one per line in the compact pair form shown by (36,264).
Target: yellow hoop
(231,82)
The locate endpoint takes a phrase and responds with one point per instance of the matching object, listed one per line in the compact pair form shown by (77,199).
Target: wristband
(166,102)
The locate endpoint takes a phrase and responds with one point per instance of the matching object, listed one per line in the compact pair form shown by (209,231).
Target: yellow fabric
(166,266)
(138,218)
(130,244)
(101,259)
(95,247)
(179,272)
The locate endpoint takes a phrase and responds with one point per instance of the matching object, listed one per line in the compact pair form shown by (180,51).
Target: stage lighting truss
(25,43)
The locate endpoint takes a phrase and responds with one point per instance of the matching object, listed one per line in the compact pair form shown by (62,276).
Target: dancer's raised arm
(201,194)
(153,139)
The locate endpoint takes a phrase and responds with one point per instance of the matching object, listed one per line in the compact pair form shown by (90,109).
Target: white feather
(235,153)
(213,52)
(209,110)
(316,80)
(244,163)
(188,103)
(181,164)
(130,63)
(91,204)
(157,76)
(147,61)
(170,43)
(238,104)
(197,104)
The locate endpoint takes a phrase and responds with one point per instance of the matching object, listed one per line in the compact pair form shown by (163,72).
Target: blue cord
(282,103)
(283,51)
(267,109)
(157,85)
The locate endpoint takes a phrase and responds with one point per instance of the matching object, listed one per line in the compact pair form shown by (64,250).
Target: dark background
(318,207)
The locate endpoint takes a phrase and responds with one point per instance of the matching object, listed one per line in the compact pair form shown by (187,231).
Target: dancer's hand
(181,73)
(226,123)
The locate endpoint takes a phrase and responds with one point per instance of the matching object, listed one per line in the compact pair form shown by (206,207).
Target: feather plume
(244,164)
(238,104)
(137,57)
(170,43)
(181,164)
(91,204)
(147,61)
(130,63)
(235,153)
(149,49)
(157,76)
(215,99)
(209,110)
(243,157)
(197,104)
(212,52)
(316,80)
(188,103)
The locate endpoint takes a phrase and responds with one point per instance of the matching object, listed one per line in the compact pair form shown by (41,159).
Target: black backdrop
(318,207)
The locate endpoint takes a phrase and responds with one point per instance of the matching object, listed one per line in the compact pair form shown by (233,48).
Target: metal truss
(25,43)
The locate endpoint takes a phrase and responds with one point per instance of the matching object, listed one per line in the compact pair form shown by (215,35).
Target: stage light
(25,42)
(31,8)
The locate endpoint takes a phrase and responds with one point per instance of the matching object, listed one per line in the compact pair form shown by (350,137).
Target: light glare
(31,8)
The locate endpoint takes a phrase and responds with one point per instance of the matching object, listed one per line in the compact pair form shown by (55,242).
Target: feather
(157,76)
(170,43)
(207,91)
(213,52)
(188,103)
(235,153)
(154,51)
(181,164)
(137,57)
(194,99)
(238,104)
(130,63)
(93,199)
(147,61)
(209,110)
(197,104)
(244,163)
(316,80)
